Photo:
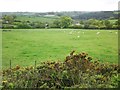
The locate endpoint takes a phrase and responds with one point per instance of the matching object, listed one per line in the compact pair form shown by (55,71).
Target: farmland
(59,49)
(37,19)
(24,46)
(73,20)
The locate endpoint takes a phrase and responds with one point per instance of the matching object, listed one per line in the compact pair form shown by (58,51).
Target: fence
(11,64)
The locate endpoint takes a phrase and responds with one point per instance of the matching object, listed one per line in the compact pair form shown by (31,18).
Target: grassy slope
(34,19)
(23,47)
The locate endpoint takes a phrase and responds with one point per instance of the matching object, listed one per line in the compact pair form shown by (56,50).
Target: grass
(36,19)
(23,47)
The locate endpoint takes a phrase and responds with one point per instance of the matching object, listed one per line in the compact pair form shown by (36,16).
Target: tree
(81,22)
(101,24)
(23,25)
(38,25)
(57,24)
(92,24)
(107,24)
(65,21)
(118,23)
(8,19)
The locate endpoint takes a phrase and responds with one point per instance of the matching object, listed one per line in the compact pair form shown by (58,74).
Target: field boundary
(0,57)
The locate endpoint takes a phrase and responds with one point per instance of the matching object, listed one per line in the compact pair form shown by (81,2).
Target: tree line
(10,22)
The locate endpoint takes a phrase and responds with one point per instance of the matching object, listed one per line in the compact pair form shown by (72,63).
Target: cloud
(58,5)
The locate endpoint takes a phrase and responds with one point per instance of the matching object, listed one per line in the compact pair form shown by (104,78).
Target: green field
(37,19)
(23,47)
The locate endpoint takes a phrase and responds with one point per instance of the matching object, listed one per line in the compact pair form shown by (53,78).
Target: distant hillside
(89,15)
(79,15)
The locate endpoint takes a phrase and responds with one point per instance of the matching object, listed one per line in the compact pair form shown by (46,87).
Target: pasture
(37,19)
(24,46)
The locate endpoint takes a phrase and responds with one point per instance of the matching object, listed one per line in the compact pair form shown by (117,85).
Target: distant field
(34,19)
(23,47)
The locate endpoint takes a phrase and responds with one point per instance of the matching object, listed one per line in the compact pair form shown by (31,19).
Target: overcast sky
(57,5)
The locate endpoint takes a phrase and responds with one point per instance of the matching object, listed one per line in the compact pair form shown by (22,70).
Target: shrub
(24,25)
(77,71)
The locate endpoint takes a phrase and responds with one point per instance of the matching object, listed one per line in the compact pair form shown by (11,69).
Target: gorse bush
(77,71)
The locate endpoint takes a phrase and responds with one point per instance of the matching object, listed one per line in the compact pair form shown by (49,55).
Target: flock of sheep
(97,33)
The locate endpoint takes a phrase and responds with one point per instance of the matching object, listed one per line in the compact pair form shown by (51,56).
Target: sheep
(98,33)
(70,32)
(115,32)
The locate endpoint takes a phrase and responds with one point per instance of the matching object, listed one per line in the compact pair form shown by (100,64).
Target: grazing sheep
(115,32)
(98,33)
(70,32)
(78,36)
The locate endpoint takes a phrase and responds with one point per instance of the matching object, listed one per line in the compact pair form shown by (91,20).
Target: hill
(84,15)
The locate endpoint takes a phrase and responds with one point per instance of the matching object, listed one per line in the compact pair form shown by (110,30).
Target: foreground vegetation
(77,71)
(24,47)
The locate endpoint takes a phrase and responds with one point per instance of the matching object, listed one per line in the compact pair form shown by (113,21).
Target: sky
(57,5)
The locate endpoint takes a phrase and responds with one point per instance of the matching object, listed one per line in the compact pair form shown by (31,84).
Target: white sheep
(70,32)
(98,33)
(78,36)
(115,32)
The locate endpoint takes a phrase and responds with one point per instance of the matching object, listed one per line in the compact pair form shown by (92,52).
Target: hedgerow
(77,71)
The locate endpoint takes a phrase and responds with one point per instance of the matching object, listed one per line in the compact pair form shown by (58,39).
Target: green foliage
(118,23)
(99,24)
(8,26)
(37,25)
(23,25)
(107,24)
(81,26)
(62,22)
(77,71)
(23,22)
(65,21)
(57,24)
(8,19)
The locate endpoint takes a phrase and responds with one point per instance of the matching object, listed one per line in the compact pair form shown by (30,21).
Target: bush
(37,25)
(77,26)
(8,26)
(23,25)
(77,71)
